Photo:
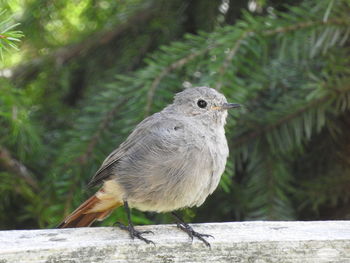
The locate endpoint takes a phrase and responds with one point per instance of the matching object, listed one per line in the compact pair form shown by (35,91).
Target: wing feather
(143,130)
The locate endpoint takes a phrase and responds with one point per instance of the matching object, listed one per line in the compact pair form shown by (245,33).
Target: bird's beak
(228,106)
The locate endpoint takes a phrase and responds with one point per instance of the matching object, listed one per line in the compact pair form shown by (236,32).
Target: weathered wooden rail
(258,242)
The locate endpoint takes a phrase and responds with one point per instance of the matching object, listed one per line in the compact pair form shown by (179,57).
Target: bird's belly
(191,190)
(186,194)
(182,183)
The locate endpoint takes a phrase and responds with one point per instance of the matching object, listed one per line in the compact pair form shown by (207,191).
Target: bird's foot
(135,233)
(191,233)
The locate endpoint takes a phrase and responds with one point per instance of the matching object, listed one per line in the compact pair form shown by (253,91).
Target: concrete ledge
(321,241)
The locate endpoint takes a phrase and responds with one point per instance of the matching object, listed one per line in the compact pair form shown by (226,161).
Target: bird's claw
(135,233)
(191,233)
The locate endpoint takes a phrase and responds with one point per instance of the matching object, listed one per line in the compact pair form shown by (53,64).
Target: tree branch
(336,21)
(10,164)
(85,156)
(105,122)
(230,56)
(258,131)
(177,64)
(278,30)
(249,33)
(67,53)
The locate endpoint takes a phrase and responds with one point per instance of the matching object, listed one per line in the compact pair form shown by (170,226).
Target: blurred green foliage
(8,36)
(88,71)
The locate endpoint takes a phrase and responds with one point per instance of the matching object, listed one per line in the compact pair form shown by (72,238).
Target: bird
(172,160)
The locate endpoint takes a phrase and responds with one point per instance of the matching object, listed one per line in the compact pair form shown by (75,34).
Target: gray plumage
(174,158)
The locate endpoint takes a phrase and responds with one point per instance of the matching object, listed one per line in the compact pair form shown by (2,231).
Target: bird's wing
(155,131)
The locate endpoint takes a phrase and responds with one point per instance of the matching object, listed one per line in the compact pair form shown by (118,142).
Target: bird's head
(203,103)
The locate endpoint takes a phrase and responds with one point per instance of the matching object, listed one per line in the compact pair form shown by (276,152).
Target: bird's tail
(95,208)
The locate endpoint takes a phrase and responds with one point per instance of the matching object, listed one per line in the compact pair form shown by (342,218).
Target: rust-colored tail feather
(84,215)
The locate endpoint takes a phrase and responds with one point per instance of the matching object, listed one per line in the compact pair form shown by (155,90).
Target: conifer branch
(85,156)
(258,131)
(72,51)
(285,29)
(10,164)
(66,54)
(230,56)
(248,33)
(251,33)
(105,122)
(94,139)
(175,65)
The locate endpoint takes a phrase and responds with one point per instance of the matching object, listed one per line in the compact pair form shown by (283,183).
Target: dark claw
(189,230)
(134,233)
(191,233)
(185,229)
(201,237)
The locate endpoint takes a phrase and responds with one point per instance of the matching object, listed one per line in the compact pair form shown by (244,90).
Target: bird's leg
(189,230)
(132,231)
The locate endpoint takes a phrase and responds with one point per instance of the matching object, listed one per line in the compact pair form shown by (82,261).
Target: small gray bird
(172,160)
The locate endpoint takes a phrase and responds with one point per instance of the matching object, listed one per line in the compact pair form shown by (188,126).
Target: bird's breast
(187,177)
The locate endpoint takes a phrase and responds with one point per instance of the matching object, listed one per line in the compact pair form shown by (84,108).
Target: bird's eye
(202,103)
